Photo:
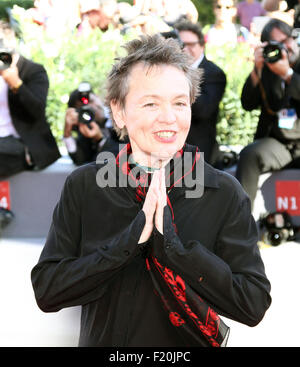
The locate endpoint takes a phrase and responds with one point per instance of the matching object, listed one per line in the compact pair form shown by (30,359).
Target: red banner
(4,195)
(288,197)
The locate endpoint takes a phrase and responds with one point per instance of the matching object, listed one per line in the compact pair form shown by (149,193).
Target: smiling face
(157,112)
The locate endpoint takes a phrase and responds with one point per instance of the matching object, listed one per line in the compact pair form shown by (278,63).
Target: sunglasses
(224,7)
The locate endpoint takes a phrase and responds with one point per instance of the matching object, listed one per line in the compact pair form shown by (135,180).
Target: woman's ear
(118,114)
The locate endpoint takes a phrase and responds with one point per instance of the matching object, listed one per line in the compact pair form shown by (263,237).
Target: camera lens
(86,114)
(86,117)
(272,51)
(5,60)
(275,238)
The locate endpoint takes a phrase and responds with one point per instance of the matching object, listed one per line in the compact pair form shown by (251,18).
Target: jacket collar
(196,64)
(20,62)
(203,62)
(121,169)
(211,177)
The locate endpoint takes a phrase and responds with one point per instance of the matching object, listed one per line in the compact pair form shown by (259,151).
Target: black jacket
(206,108)
(92,258)
(279,95)
(87,150)
(27,110)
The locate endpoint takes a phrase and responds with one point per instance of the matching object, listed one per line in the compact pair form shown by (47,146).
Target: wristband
(289,73)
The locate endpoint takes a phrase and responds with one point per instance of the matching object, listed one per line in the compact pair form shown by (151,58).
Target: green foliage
(205,11)
(69,59)
(4,4)
(235,125)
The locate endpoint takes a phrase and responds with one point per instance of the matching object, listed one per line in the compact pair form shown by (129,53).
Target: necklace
(144,168)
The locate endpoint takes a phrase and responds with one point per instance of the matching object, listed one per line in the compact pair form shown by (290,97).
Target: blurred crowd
(144,16)
(234,22)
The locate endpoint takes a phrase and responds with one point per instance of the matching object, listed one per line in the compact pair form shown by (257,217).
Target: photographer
(274,87)
(205,109)
(85,117)
(26,141)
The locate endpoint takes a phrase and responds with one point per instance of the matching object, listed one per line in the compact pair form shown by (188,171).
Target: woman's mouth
(165,136)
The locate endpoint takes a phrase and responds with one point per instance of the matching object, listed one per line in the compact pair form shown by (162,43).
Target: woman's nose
(167,115)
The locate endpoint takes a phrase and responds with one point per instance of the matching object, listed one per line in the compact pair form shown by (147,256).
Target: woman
(146,262)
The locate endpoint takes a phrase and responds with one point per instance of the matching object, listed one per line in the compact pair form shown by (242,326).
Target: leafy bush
(205,11)
(69,59)
(235,125)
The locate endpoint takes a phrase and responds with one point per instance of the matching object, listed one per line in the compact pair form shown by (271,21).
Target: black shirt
(92,258)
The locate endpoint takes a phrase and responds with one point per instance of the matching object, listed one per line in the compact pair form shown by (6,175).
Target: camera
(226,158)
(5,58)
(86,113)
(278,227)
(272,51)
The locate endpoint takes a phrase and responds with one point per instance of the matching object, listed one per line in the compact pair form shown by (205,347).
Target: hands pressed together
(155,201)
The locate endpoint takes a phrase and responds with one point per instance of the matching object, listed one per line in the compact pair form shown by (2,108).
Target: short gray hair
(150,50)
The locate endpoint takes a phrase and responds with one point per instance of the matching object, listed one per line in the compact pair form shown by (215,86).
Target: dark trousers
(263,155)
(12,156)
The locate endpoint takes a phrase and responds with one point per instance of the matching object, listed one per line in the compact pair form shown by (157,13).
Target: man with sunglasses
(273,87)
(206,107)
(225,30)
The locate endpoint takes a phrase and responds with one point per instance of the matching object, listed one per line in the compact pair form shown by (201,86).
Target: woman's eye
(149,105)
